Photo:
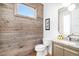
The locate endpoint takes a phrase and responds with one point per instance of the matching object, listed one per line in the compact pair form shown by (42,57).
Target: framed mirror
(68,21)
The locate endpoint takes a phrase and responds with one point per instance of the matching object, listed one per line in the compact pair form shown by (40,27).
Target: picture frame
(47,24)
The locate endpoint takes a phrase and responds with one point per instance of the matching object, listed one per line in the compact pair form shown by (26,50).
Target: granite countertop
(72,44)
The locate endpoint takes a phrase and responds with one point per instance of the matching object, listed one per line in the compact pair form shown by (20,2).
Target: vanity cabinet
(60,50)
(70,52)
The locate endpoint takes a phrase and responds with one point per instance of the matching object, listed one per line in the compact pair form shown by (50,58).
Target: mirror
(68,21)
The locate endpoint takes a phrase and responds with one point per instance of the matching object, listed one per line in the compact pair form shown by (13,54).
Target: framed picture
(47,24)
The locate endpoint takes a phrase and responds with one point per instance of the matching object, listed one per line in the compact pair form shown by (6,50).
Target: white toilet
(41,49)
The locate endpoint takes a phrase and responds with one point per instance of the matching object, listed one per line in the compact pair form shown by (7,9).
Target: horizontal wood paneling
(19,35)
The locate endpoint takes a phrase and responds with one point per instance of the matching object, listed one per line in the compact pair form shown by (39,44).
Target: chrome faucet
(69,37)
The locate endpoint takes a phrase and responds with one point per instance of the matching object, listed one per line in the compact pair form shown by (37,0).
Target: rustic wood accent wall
(19,35)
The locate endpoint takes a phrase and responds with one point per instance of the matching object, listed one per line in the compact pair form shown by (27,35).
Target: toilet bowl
(40,49)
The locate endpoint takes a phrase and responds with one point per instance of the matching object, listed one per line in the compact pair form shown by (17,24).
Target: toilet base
(41,53)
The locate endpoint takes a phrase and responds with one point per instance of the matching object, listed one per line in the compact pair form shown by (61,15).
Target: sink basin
(72,38)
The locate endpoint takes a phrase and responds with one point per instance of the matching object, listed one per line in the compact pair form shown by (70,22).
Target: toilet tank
(46,42)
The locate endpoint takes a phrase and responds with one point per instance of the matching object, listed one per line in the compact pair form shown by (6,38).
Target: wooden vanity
(62,48)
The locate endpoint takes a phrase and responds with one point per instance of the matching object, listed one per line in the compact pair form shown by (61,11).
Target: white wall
(51,11)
